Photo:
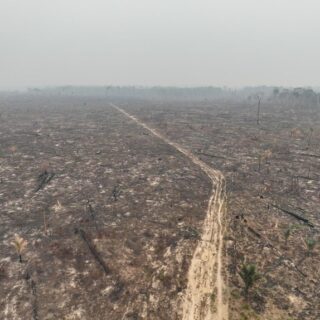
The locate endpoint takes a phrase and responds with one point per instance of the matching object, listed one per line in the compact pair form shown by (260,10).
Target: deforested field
(128,209)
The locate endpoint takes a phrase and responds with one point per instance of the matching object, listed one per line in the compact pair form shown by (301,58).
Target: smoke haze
(159,42)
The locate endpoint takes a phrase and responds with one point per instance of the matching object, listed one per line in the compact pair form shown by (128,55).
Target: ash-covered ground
(272,173)
(112,214)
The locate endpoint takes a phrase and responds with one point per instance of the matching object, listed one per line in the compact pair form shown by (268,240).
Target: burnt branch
(43,179)
(93,250)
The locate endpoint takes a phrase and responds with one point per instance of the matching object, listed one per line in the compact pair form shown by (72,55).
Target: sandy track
(205,297)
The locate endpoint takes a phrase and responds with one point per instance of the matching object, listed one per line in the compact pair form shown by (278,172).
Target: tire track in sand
(205,297)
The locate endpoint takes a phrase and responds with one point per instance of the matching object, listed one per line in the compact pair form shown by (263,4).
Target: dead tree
(258,112)
(90,211)
(92,214)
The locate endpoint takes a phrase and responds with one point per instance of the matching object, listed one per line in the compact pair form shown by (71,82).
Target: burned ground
(113,226)
(272,173)
(112,232)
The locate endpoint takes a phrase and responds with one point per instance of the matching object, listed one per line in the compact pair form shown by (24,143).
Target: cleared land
(272,178)
(205,272)
(114,216)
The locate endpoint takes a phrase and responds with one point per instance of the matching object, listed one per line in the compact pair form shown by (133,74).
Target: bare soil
(271,169)
(113,214)
(145,239)
(205,272)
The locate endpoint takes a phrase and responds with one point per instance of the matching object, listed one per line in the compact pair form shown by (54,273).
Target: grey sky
(159,42)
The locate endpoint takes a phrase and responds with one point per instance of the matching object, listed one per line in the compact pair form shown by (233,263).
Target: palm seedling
(287,233)
(249,275)
(19,244)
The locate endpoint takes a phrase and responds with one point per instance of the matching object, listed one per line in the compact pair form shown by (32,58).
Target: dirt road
(206,295)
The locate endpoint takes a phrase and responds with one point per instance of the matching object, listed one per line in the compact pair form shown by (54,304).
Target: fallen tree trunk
(93,250)
(307,178)
(211,155)
(34,301)
(257,234)
(293,214)
(44,179)
(309,155)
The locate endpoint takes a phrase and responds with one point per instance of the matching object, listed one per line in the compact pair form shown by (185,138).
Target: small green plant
(288,232)
(249,275)
(213,296)
(247,313)
(310,244)
(19,244)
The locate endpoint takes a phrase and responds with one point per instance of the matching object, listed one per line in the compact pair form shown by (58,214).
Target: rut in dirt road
(205,297)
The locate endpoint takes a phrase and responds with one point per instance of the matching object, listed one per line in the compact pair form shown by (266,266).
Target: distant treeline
(138,92)
(281,95)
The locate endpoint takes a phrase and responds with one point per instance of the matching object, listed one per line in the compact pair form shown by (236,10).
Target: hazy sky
(159,42)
